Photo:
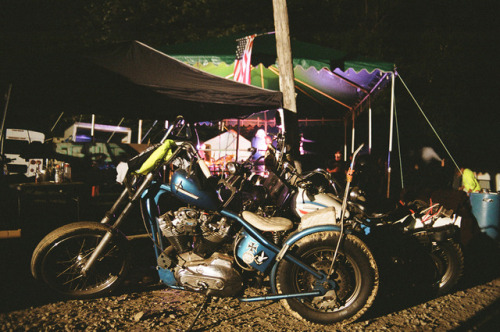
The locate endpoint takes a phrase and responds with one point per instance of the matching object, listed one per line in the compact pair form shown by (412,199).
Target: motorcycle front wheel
(355,274)
(60,256)
(449,260)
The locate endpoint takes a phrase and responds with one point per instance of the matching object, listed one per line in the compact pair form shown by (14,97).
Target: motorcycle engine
(213,276)
(197,239)
(190,229)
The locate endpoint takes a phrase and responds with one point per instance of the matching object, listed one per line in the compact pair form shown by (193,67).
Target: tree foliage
(444,50)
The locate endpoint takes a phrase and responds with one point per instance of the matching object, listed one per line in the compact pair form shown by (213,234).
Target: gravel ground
(142,304)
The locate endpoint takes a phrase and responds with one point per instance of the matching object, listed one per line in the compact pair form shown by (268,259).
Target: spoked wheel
(449,260)
(355,275)
(59,258)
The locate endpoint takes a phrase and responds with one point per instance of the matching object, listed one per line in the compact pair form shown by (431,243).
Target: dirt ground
(143,304)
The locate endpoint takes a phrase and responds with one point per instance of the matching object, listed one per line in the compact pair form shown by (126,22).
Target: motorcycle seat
(267,224)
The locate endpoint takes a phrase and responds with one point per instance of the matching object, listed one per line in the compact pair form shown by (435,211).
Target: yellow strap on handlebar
(350,172)
(162,153)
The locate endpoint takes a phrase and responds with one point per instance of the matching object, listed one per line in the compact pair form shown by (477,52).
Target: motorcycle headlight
(232,167)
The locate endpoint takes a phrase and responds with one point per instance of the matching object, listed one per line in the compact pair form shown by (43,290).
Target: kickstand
(206,301)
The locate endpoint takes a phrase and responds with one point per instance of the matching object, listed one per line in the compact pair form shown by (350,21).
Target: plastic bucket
(486,209)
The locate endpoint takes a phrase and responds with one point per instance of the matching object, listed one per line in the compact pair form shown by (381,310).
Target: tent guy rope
(430,124)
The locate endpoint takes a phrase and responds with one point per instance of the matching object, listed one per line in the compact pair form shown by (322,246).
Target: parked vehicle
(319,272)
(436,229)
(82,132)
(93,163)
(16,142)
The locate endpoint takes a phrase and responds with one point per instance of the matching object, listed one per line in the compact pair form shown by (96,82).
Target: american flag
(242,66)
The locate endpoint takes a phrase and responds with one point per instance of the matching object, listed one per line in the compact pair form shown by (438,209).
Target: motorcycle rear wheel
(356,274)
(59,257)
(449,260)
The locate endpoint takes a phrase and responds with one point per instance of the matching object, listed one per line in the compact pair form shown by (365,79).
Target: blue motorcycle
(321,272)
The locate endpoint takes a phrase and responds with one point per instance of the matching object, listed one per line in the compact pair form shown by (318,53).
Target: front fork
(105,240)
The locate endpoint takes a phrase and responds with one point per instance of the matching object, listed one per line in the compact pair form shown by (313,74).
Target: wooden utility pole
(287,87)
(284,51)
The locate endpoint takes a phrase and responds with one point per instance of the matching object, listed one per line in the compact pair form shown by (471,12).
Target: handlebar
(355,154)
(178,126)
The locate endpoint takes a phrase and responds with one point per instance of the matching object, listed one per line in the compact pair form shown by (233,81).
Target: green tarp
(335,83)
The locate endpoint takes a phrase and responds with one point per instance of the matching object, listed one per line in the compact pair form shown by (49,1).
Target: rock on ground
(144,305)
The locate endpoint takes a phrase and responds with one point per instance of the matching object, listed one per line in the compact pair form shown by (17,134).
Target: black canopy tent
(129,79)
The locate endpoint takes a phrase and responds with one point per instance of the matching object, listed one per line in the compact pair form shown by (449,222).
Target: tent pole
(353,131)
(149,130)
(369,127)
(57,121)
(265,122)
(371,91)
(345,139)
(4,117)
(276,72)
(262,85)
(351,83)
(390,139)
(114,131)
(261,66)
(238,141)
(139,132)
(92,129)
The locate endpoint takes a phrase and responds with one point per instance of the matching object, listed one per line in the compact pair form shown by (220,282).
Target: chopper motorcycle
(435,228)
(320,272)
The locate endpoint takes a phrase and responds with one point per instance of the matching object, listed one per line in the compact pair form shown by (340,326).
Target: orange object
(350,172)
(95,191)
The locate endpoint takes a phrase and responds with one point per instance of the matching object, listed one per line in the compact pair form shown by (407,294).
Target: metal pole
(111,136)
(57,121)
(139,132)
(369,128)
(390,139)
(92,128)
(149,130)
(262,85)
(353,131)
(345,139)
(265,122)
(238,140)
(7,99)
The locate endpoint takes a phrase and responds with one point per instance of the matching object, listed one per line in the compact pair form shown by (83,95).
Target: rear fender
(439,234)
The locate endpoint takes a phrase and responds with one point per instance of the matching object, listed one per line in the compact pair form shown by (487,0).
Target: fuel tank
(304,204)
(194,189)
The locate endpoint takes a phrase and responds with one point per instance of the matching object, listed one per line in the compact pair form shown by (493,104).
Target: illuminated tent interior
(336,84)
